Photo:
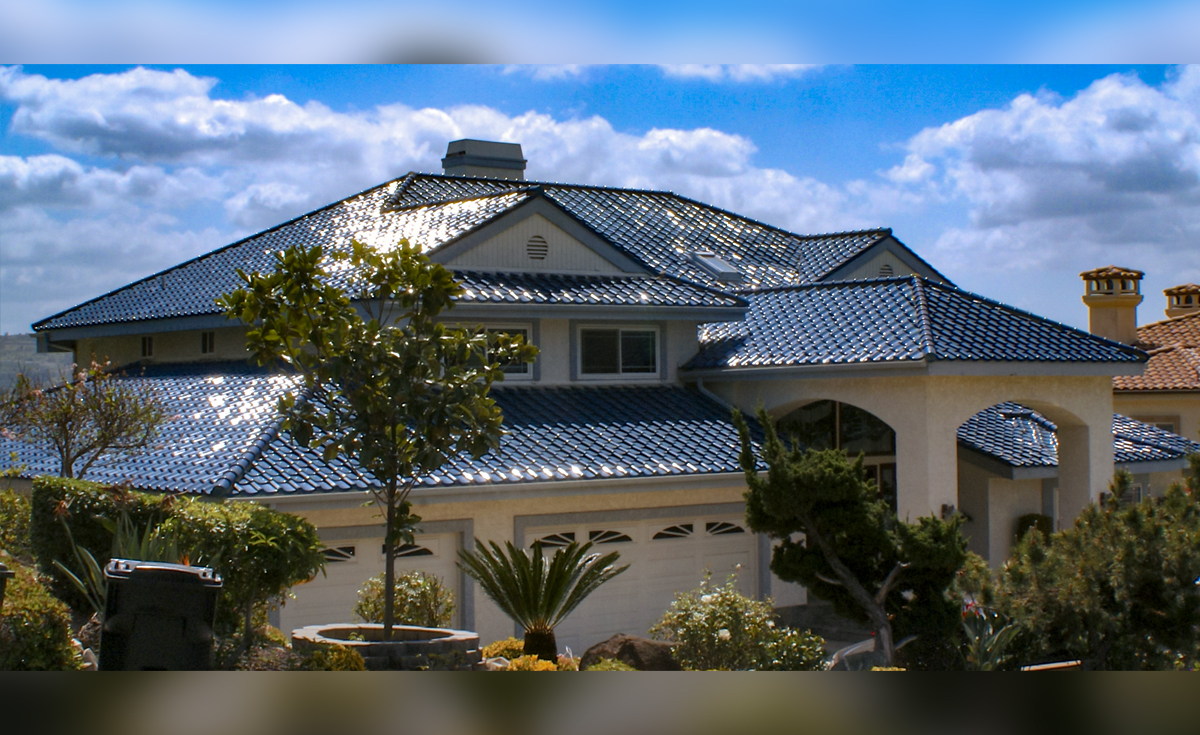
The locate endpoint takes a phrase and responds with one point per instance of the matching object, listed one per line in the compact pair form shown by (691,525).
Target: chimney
(1112,298)
(485,159)
(1182,300)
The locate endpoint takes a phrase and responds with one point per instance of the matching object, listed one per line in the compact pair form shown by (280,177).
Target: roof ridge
(209,254)
(388,208)
(925,319)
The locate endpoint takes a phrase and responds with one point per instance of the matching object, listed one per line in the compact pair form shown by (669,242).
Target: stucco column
(1074,472)
(926,463)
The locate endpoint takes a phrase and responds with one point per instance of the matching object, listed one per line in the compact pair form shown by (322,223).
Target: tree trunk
(541,644)
(389,563)
(247,633)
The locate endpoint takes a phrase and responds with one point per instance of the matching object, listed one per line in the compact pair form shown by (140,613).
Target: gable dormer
(535,244)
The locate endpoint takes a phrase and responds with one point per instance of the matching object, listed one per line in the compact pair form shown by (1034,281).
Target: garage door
(664,556)
(350,563)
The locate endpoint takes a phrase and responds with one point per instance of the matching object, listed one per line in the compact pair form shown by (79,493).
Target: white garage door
(350,563)
(664,556)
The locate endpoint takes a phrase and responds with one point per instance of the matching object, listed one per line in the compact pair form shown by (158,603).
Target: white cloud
(549,72)
(737,72)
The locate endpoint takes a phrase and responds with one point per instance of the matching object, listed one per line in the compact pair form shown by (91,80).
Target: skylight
(720,268)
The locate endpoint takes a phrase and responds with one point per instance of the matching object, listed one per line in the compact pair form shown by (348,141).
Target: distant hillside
(18,353)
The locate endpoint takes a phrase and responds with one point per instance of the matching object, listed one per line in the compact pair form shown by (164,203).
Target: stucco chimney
(484,158)
(1182,300)
(1112,297)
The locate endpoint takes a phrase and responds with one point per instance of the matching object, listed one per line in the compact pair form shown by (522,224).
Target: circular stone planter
(411,648)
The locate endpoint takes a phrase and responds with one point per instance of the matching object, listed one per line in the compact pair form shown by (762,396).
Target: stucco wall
(181,346)
(973,503)
(1008,500)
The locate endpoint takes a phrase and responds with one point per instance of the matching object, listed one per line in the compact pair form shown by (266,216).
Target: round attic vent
(537,247)
(885,271)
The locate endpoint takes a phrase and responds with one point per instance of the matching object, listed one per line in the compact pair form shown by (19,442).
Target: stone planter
(411,648)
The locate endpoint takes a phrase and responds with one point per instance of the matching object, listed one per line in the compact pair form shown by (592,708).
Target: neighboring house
(654,313)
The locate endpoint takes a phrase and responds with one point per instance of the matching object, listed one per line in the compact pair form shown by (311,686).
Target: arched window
(836,425)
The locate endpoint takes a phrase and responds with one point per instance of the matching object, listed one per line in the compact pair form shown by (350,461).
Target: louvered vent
(537,248)
(885,271)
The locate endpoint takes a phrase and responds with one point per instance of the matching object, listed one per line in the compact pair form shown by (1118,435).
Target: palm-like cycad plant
(535,592)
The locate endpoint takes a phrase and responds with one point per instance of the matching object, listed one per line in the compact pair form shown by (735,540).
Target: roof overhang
(143,326)
(1002,469)
(919,367)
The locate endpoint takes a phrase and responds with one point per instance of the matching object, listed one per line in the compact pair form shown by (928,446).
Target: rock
(640,653)
(499,663)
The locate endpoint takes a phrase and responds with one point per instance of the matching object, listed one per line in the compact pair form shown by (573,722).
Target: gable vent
(537,248)
(885,271)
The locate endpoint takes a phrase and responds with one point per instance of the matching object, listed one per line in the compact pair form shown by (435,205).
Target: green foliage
(93,413)
(610,664)
(86,507)
(538,595)
(35,627)
(987,639)
(854,552)
(259,552)
(421,599)
(1117,590)
(1043,524)
(14,524)
(719,628)
(333,657)
(399,391)
(509,648)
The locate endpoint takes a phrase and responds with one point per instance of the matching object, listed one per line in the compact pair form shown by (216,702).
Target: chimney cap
(1112,271)
(1185,289)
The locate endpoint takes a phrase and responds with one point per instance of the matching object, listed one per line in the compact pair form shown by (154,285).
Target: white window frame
(619,376)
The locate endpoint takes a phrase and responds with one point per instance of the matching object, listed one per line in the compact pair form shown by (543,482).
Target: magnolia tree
(95,412)
(385,381)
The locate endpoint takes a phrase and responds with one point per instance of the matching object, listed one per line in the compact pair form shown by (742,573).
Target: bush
(421,599)
(35,628)
(14,524)
(1042,523)
(333,658)
(531,663)
(82,504)
(509,648)
(610,664)
(719,628)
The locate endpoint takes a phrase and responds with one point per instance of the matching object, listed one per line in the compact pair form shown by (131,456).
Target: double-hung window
(618,351)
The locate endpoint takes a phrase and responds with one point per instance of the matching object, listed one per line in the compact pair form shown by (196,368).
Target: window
(338,554)
(208,343)
(147,347)
(514,370)
(618,351)
(834,425)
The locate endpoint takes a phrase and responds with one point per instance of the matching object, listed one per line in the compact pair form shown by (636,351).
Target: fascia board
(1022,368)
(144,326)
(1002,469)
(922,367)
(536,205)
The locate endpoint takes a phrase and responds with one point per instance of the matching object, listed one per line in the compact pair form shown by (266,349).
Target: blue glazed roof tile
(548,288)
(891,320)
(1021,437)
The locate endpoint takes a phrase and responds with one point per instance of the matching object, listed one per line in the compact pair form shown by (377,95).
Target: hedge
(81,502)
(14,523)
(35,627)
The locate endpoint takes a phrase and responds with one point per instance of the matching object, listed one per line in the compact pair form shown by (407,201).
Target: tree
(90,415)
(1117,590)
(384,381)
(854,551)
(538,595)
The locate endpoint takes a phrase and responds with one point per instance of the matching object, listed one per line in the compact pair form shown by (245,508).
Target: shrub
(720,628)
(1042,523)
(509,648)
(531,663)
(421,599)
(567,663)
(83,504)
(35,628)
(610,664)
(333,657)
(14,524)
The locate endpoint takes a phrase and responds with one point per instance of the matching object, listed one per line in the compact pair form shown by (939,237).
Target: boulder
(642,654)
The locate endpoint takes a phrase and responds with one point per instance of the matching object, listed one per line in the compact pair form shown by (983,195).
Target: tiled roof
(217,413)
(1021,437)
(548,288)
(888,320)
(1174,364)
(1184,290)
(223,436)
(658,229)
(1112,271)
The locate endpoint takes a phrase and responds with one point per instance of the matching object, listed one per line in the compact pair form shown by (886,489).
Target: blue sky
(1009,178)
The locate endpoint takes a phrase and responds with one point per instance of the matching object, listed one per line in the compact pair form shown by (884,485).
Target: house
(654,314)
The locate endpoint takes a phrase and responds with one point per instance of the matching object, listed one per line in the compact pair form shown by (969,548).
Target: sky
(1010,179)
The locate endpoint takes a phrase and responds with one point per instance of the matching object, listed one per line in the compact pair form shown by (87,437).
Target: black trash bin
(158,616)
